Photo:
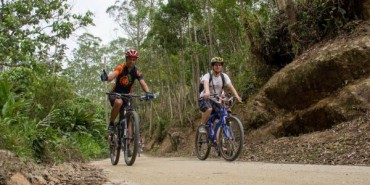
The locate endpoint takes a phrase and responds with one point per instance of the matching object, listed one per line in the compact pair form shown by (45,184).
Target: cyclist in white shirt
(218,81)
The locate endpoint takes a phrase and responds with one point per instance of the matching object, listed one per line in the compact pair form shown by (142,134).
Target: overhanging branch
(13,65)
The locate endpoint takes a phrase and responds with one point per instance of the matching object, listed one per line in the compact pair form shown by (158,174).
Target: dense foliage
(42,117)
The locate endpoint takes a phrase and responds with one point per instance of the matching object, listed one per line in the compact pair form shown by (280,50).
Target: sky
(105,27)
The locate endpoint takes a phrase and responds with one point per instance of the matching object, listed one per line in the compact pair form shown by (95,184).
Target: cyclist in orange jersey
(125,75)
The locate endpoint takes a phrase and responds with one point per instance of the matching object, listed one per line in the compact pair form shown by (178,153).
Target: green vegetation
(41,118)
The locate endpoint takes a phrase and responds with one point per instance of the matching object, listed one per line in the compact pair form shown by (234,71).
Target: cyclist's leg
(115,109)
(216,107)
(205,107)
(116,104)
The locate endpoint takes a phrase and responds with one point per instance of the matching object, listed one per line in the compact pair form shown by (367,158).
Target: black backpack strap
(223,80)
(210,81)
(210,77)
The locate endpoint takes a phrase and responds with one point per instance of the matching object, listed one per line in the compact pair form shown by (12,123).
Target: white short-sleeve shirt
(216,83)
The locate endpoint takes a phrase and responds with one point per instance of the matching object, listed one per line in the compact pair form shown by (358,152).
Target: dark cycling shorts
(112,98)
(205,104)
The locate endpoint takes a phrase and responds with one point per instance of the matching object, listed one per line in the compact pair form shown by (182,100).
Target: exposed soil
(15,171)
(345,144)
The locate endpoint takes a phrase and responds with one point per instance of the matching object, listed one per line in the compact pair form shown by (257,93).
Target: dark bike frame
(122,128)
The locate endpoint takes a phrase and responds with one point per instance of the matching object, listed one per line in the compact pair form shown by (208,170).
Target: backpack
(201,85)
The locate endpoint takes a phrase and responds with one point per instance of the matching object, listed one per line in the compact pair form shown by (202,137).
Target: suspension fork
(228,131)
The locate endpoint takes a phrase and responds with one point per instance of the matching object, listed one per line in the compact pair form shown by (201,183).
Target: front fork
(123,134)
(126,134)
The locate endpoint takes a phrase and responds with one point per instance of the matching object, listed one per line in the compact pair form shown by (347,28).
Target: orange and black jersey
(125,78)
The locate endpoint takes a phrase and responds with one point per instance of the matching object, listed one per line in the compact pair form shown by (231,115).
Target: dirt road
(185,171)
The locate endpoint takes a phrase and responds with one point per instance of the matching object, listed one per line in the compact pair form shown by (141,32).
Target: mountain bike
(125,133)
(223,131)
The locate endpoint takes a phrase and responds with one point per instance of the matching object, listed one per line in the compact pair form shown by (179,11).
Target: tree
(85,67)
(30,30)
(133,17)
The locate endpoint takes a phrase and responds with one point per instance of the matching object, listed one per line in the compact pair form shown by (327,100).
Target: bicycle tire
(202,144)
(133,145)
(231,147)
(115,146)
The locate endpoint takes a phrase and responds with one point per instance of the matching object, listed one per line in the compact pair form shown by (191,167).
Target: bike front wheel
(114,146)
(202,143)
(132,140)
(232,139)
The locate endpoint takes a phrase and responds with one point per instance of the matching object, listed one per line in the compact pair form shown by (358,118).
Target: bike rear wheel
(232,138)
(132,142)
(202,144)
(114,146)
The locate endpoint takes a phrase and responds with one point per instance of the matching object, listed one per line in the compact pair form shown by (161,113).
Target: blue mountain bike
(223,131)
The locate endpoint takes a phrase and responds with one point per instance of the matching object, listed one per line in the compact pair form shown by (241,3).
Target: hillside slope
(316,109)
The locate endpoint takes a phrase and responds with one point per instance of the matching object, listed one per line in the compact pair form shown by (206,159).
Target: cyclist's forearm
(144,86)
(206,87)
(233,90)
(111,76)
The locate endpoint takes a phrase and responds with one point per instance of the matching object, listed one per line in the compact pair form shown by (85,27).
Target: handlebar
(123,95)
(221,98)
(227,101)
(218,97)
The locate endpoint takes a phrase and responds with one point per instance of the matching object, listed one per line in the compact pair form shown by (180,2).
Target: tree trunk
(257,55)
(209,17)
(197,67)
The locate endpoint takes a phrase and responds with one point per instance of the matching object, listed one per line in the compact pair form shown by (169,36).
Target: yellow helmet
(217,60)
